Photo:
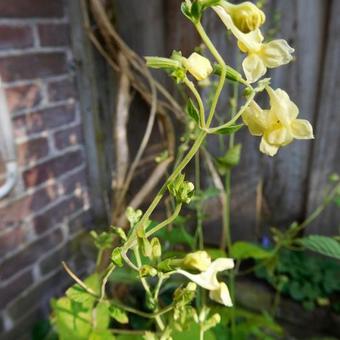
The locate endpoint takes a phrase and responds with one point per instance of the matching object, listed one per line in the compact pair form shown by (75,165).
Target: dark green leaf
(227,130)
(192,111)
(186,10)
(323,245)
(242,250)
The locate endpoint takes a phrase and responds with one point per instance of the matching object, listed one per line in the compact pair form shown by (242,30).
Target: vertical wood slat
(85,69)
(155,28)
(326,152)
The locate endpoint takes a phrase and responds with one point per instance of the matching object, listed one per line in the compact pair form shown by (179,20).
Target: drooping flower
(279,125)
(208,279)
(199,66)
(199,260)
(260,56)
(246,16)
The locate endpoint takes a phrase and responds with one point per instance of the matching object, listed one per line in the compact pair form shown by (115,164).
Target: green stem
(163,189)
(199,227)
(201,334)
(165,222)
(192,88)
(105,279)
(221,62)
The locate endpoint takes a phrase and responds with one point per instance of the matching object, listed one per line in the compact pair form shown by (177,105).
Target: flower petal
(251,41)
(221,295)
(302,129)
(279,137)
(253,68)
(268,149)
(282,107)
(276,53)
(203,280)
(256,119)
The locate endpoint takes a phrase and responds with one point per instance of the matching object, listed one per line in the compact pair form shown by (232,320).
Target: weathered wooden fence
(290,185)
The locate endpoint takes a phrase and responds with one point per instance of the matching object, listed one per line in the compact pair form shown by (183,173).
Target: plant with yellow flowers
(88,310)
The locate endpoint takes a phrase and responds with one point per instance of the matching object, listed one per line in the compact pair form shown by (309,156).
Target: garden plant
(188,290)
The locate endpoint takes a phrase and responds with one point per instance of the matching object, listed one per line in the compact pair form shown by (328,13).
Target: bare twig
(78,280)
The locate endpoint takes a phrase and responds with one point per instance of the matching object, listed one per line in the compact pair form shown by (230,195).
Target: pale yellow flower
(208,279)
(279,125)
(246,16)
(199,260)
(199,66)
(260,56)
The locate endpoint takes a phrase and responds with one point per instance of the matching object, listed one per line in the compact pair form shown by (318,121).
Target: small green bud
(116,257)
(181,190)
(133,216)
(120,232)
(156,248)
(147,270)
(211,322)
(145,246)
(183,296)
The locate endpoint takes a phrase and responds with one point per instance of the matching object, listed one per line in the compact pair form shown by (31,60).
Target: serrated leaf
(192,111)
(242,250)
(323,245)
(227,130)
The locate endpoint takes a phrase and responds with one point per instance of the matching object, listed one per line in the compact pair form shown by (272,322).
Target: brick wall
(41,220)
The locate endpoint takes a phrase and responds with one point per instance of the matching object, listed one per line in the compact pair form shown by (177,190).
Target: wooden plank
(326,152)
(88,86)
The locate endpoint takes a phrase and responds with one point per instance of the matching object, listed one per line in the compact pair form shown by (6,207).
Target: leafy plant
(310,280)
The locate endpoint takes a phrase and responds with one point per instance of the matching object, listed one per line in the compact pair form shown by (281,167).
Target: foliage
(307,279)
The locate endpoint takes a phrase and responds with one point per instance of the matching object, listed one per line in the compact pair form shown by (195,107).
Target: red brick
(11,239)
(54,35)
(32,150)
(57,214)
(73,182)
(81,222)
(14,288)
(15,37)
(61,90)
(13,213)
(31,8)
(68,137)
(44,119)
(33,65)
(30,254)
(52,168)
(23,97)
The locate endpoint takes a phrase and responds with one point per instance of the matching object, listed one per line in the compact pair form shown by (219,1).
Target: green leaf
(323,245)
(242,250)
(230,159)
(226,130)
(71,319)
(79,294)
(119,314)
(196,11)
(192,111)
(101,335)
(102,316)
(186,10)
(193,332)
(116,257)
(296,291)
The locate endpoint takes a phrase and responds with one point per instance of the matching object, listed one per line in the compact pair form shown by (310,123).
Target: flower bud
(246,16)
(147,270)
(199,66)
(156,248)
(199,260)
